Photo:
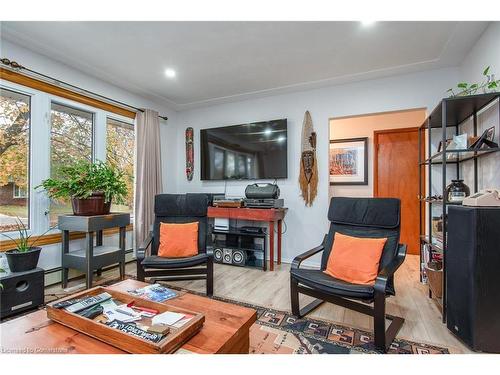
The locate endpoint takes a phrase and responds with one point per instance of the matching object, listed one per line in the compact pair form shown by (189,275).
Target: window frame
(39,155)
(16,189)
(19,89)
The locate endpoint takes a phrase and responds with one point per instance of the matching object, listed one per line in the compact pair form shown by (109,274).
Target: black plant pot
(21,262)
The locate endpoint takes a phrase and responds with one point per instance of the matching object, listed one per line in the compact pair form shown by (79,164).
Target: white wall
(486,52)
(50,256)
(306,226)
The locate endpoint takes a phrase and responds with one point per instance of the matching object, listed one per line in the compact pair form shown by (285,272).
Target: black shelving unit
(237,239)
(449,113)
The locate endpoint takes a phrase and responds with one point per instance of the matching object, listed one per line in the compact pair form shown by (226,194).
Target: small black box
(21,291)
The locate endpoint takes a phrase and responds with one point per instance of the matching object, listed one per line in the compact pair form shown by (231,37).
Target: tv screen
(248,151)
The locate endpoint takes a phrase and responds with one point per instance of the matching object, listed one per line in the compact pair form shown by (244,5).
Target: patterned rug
(279,332)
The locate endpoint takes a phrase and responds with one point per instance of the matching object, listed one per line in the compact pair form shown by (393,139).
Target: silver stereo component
(221,223)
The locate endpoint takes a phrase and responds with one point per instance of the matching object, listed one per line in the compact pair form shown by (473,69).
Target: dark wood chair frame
(175,274)
(383,337)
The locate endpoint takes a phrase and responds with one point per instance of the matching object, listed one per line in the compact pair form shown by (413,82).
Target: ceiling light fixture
(367,23)
(170,73)
(268,131)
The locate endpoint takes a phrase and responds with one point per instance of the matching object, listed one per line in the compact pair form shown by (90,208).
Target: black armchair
(177,208)
(359,217)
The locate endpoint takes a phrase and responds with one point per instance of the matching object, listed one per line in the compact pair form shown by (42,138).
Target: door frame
(376,134)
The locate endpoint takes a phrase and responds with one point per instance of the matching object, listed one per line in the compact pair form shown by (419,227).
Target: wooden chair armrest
(389,270)
(141,251)
(300,258)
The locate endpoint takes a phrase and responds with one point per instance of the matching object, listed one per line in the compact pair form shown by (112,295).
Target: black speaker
(473,276)
(227,256)
(21,291)
(239,257)
(218,255)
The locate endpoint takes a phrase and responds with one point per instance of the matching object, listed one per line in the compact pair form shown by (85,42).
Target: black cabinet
(21,291)
(473,276)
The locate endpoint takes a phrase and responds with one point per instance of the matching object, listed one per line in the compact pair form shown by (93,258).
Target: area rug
(279,332)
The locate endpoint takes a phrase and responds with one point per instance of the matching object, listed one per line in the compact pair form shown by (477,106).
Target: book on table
(132,321)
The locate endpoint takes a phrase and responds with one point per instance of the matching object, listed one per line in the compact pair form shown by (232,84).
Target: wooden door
(395,170)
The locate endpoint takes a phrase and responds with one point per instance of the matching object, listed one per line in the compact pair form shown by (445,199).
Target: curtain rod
(17,67)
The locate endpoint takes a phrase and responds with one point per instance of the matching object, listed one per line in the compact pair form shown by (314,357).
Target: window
(64,132)
(19,192)
(15,119)
(71,140)
(120,144)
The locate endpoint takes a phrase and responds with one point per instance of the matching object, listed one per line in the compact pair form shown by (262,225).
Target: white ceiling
(225,61)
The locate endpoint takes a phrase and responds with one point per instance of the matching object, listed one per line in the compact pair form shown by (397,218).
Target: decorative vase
(91,206)
(23,261)
(457,191)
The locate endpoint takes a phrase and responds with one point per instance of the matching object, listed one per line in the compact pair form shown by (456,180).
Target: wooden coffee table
(226,329)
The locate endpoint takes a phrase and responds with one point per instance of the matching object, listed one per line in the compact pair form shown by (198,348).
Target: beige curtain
(148,172)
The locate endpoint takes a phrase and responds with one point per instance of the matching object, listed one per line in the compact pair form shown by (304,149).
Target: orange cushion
(178,240)
(355,259)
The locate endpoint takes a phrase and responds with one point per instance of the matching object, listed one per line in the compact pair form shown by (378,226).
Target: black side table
(92,257)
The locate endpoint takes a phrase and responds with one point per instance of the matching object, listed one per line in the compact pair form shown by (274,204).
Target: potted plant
(25,255)
(90,186)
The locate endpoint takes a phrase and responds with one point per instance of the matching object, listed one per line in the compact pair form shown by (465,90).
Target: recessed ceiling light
(367,23)
(170,73)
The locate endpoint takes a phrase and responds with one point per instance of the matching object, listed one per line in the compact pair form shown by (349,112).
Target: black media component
(264,203)
(250,229)
(262,191)
(245,152)
(92,312)
(473,279)
(239,246)
(66,303)
(22,291)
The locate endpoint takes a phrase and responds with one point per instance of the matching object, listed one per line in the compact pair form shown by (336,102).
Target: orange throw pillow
(178,240)
(354,259)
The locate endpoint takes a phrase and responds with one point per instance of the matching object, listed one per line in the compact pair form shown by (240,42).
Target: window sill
(50,239)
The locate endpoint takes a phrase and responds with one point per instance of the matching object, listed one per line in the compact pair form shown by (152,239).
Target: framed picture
(441,148)
(348,161)
(490,134)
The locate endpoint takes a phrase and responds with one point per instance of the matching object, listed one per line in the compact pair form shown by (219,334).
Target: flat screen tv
(245,152)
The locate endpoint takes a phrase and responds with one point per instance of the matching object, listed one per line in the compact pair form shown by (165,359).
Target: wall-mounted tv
(251,151)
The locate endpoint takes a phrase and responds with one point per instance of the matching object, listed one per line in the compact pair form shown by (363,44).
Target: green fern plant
(83,178)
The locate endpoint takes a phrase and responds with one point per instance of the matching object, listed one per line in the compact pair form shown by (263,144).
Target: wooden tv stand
(269,215)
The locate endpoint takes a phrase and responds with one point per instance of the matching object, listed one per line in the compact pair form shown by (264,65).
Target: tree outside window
(14,158)
(120,143)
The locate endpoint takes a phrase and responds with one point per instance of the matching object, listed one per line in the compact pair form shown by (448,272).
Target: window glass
(70,141)
(14,159)
(120,143)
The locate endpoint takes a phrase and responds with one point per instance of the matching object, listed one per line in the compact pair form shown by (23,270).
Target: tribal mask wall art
(308,178)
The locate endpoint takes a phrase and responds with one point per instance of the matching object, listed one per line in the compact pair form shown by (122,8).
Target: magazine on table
(154,292)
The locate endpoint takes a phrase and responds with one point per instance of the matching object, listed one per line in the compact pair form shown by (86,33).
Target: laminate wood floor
(272,289)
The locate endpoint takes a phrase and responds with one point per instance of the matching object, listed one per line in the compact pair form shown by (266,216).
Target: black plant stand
(92,257)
